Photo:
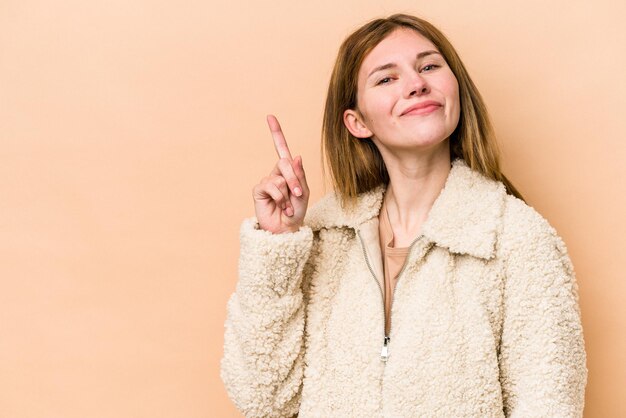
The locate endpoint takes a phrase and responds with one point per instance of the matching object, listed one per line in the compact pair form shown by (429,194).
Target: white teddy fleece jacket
(485,320)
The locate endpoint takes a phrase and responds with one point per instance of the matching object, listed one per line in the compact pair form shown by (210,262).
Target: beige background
(132,133)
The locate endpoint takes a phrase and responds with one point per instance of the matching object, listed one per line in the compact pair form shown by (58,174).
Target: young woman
(423,286)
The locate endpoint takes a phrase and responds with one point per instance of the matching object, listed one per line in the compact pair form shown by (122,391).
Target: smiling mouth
(423,110)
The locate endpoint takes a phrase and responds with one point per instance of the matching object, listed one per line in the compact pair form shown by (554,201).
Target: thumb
(299,170)
(297,165)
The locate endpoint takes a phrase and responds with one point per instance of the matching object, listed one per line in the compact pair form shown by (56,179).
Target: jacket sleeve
(542,355)
(262,366)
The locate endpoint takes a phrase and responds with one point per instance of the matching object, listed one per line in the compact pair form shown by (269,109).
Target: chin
(417,139)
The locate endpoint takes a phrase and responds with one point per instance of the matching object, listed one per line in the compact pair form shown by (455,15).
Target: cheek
(455,98)
(458,103)
(377,106)
(452,94)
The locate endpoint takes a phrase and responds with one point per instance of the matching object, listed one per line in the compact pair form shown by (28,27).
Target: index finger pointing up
(279,139)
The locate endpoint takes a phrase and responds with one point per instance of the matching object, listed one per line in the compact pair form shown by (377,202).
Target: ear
(354,122)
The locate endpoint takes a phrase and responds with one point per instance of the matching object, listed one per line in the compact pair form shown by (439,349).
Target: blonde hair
(355,164)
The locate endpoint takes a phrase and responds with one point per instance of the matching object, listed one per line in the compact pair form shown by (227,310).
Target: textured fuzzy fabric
(485,320)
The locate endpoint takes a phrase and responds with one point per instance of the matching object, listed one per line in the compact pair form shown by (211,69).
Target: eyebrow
(393,65)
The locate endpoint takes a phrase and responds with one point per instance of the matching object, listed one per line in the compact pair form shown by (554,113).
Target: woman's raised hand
(281,198)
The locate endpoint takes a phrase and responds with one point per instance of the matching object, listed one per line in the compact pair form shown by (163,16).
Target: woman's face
(403,71)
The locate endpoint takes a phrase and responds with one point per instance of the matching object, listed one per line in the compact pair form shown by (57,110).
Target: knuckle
(279,199)
(259,186)
(280,181)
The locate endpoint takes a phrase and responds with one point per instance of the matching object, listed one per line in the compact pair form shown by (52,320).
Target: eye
(384,80)
(429,65)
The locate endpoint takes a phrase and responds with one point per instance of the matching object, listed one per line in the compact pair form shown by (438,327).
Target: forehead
(399,44)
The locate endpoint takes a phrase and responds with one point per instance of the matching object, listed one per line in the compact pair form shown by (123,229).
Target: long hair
(355,164)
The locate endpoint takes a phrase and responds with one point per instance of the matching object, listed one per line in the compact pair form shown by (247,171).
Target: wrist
(279,230)
(288,229)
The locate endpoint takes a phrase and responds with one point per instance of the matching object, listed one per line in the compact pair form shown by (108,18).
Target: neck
(415,182)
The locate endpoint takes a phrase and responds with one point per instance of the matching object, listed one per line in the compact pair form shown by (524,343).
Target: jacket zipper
(384,353)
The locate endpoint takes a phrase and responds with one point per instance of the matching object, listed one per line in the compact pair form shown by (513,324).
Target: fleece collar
(464,218)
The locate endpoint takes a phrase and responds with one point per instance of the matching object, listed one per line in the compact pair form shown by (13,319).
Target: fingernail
(297,191)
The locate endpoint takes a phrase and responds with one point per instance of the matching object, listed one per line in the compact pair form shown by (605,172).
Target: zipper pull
(384,354)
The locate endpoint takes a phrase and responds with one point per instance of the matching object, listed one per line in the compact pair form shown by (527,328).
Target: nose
(416,85)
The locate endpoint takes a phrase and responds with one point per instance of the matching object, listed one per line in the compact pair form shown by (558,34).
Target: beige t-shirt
(393,260)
